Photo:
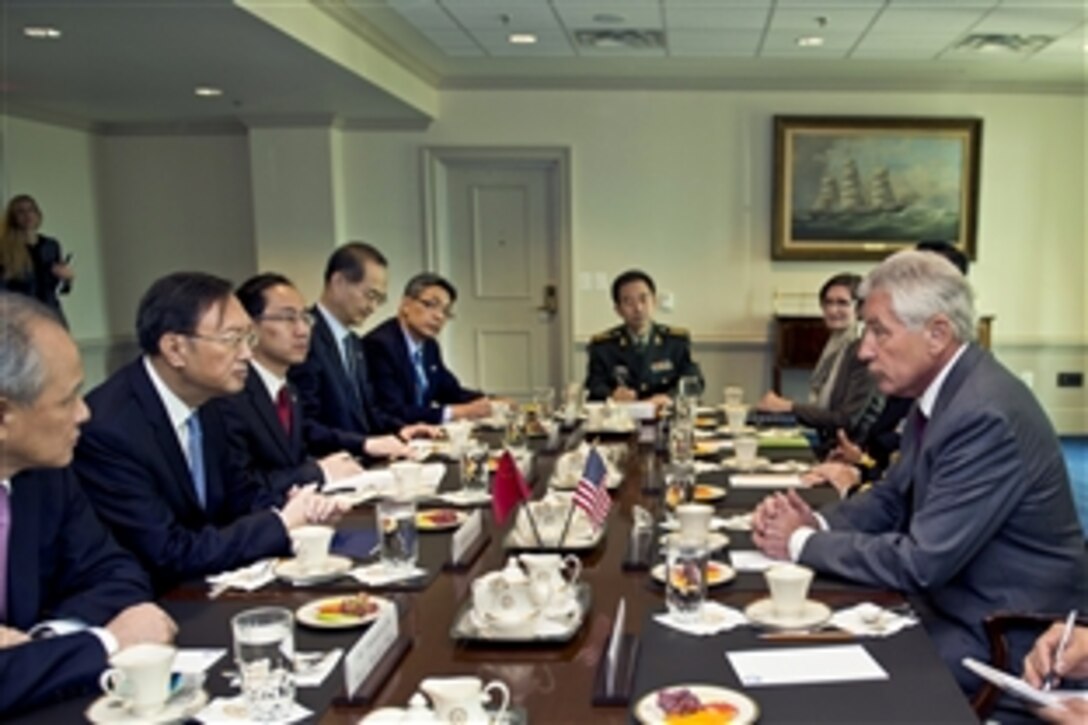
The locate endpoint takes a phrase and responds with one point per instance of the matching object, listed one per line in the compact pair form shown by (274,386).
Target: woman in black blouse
(30,262)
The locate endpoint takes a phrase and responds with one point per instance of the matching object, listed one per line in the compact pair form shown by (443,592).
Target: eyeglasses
(291,318)
(378,298)
(435,306)
(233,340)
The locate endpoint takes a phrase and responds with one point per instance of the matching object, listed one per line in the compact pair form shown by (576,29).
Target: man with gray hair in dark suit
(977,514)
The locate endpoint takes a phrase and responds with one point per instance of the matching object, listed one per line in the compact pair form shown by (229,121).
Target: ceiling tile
(837,19)
(950,20)
(713,42)
(449,41)
(425,15)
(696,18)
(549,43)
(640,15)
(511,18)
(903,52)
(1031,21)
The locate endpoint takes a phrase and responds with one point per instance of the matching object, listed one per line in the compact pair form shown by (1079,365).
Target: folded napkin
(714,618)
(642,518)
(869,620)
(738,522)
(706,467)
(247,578)
(234,710)
(751,561)
(765,480)
(379,575)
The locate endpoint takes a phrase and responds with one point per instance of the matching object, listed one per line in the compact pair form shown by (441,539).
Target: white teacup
(499,592)
(139,676)
(549,580)
(789,585)
(460,699)
(736,416)
(407,474)
(734,395)
(311,545)
(746,447)
(458,434)
(694,521)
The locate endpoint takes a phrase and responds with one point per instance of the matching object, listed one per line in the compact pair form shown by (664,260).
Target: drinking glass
(685,578)
(679,486)
(264,651)
(734,395)
(544,401)
(474,472)
(689,387)
(514,436)
(681,442)
(397,533)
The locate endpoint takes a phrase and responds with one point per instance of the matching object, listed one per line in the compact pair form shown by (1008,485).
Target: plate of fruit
(440,519)
(343,612)
(696,705)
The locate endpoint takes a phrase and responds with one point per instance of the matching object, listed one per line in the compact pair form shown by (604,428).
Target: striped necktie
(422,384)
(196,458)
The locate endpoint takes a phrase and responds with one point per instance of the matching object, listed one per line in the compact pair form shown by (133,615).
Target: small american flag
(592,495)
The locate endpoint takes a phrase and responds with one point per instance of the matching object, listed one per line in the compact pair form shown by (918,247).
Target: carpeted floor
(1076,458)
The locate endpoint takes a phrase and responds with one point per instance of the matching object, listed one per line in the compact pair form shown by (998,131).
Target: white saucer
(714,540)
(744,430)
(755,465)
(789,467)
(812,614)
(332,567)
(180,707)
(716,523)
(648,712)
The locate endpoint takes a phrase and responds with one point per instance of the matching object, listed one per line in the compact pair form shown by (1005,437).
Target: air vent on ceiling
(1004,43)
(620,39)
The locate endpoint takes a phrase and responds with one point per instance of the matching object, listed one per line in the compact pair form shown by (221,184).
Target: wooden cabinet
(798,341)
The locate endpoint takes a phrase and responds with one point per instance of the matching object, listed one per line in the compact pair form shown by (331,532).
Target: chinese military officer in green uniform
(639,359)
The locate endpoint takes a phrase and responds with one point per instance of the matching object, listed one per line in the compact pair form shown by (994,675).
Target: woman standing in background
(32,263)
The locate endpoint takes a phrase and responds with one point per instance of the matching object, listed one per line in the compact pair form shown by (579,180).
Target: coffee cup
(736,416)
(746,447)
(311,545)
(789,585)
(139,676)
(694,521)
(734,395)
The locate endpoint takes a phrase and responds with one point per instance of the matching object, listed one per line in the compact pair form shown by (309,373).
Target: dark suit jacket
(134,471)
(394,377)
(975,518)
(338,413)
(260,446)
(62,564)
(853,394)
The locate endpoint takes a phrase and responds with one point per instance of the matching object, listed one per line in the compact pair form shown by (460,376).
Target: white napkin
(870,620)
(311,674)
(247,578)
(738,522)
(765,480)
(464,498)
(714,617)
(379,575)
(707,466)
(233,710)
(195,660)
(751,561)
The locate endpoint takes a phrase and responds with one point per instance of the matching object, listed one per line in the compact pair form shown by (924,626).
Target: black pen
(1052,676)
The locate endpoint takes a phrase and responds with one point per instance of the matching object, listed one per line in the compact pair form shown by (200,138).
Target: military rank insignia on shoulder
(673,331)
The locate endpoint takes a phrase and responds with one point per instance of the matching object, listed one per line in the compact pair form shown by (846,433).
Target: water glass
(734,395)
(544,402)
(681,442)
(514,436)
(689,387)
(397,533)
(264,651)
(474,471)
(679,486)
(685,579)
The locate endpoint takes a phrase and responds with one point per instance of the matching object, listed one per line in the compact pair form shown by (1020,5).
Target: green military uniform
(649,367)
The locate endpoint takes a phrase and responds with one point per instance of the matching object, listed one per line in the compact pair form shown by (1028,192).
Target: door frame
(436,161)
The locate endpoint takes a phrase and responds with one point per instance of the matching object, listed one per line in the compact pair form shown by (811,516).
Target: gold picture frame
(860,188)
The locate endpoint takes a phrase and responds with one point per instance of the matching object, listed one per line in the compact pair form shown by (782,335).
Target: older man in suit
(338,408)
(264,421)
(57,560)
(410,380)
(977,514)
(154,459)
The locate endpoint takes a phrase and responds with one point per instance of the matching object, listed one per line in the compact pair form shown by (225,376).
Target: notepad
(805,665)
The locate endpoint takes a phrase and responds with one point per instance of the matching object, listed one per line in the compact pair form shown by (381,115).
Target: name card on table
(369,650)
(466,536)
(614,644)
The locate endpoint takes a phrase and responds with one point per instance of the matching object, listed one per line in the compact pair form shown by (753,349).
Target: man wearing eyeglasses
(154,458)
(334,385)
(264,421)
(410,380)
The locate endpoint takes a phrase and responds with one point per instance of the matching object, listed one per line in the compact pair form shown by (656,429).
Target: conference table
(554,683)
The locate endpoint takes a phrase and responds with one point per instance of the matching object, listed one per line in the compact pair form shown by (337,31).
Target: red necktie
(283,409)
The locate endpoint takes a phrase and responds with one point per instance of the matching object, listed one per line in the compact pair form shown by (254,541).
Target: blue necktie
(196,458)
(421,376)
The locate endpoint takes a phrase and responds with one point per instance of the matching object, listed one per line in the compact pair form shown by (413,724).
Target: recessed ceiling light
(41,32)
(810,41)
(208,91)
(522,38)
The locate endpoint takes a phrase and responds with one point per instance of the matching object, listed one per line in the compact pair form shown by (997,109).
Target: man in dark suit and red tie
(334,386)
(410,380)
(154,458)
(61,573)
(264,421)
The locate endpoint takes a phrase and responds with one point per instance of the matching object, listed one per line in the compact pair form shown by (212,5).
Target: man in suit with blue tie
(57,560)
(154,458)
(410,380)
(264,421)
(333,384)
(977,515)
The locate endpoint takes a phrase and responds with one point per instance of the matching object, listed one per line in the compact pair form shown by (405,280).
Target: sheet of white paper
(751,561)
(805,665)
(764,480)
(192,660)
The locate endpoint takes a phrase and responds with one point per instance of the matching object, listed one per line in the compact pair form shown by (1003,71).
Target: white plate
(465,498)
(308,614)
(568,484)
(648,713)
(718,573)
(180,707)
(744,430)
(754,465)
(332,567)
(714,540)
(424,523)
(789,467)
(812,614)
(716,523)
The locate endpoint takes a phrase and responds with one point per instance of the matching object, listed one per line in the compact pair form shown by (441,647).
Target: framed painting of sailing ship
(864,187)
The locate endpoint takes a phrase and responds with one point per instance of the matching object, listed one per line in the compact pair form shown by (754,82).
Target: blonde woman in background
(32,263)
